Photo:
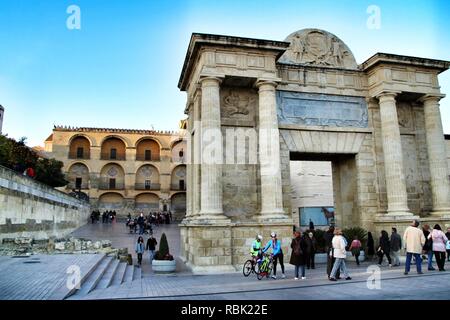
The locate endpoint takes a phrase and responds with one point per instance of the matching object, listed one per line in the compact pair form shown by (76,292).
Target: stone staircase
(108,272)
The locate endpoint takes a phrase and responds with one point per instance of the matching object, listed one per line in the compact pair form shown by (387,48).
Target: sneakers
(274,276)
(348,278)
(303,278)
(283,276)
(420,272)
(390,265)
(431,269)
(295,278)
(333,279)
(405,273)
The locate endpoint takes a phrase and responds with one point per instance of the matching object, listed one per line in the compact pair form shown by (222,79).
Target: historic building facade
(123,169)
(306,98)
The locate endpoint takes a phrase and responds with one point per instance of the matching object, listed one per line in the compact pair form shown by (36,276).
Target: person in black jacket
(311,249)
(384,248)
(151,246)
(428,247)
(370,246)
(298,257)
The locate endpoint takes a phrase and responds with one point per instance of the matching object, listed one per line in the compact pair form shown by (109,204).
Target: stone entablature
(306,98)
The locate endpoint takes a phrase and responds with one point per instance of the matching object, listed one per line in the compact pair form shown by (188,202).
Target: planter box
(164,265)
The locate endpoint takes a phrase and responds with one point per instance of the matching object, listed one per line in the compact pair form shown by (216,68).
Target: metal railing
(177,187)
(153,157)
(74,155)
(106,185)
(107,156)
(151,186)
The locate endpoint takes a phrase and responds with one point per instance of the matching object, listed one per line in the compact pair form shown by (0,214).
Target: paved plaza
(44,277)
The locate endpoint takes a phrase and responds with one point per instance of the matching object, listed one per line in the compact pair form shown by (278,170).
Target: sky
(121,68)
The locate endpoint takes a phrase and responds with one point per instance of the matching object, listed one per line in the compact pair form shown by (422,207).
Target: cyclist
(277,253)
(256,250)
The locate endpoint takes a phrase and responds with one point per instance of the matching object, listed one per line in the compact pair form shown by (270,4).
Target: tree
(48,171)
(163,252)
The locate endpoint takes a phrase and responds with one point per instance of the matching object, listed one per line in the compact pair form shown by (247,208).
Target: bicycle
(249,267)
(266,267)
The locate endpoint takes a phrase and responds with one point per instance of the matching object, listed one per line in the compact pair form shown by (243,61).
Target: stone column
(212,151)
(393,158)
(437,155)
(269,154)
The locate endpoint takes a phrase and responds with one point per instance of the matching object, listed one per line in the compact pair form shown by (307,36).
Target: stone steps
(119,276)
(108,276)
(93,279)
(137,273)
(129,273)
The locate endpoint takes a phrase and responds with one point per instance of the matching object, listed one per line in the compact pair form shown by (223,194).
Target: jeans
(430,259)
(152,254)
(139,256)
(339,263)
(297,268)
(418,261)
(396,256)
(448,255)
(141,229)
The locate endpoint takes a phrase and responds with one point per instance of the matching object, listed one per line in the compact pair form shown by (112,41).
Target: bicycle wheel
(269,268)
(247,269)
(260,275)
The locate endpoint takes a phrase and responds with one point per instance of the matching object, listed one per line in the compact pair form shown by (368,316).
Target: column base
(397,216)
(272,216)
(440,212)
(205,218)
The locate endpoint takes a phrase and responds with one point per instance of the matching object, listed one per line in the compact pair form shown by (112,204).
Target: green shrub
(163,252)
(351,233)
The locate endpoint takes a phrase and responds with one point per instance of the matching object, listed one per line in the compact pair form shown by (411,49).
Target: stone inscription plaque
(313,109)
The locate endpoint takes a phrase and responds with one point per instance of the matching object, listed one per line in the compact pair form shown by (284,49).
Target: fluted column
(212,151)
(269,154)
(393,158)
(437,155)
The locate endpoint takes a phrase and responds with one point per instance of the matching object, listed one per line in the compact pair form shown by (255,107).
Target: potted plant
(163,260)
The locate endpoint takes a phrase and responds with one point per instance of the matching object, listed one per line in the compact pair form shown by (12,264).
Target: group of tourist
(145,223)
(150,246)
(415,242)
(108,216)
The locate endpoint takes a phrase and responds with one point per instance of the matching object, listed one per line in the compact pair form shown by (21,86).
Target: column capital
(387,95)
(266,84)
(210,81)
(432,97)
(371,102)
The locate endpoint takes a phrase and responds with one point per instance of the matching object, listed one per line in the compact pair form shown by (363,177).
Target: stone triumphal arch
(306,98)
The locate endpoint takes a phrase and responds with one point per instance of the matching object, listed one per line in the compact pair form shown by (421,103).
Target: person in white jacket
(414,239)
(340,254)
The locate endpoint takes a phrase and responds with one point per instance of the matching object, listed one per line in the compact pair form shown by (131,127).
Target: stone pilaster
(269,154)
(212,152)
(393,158)
(437,155)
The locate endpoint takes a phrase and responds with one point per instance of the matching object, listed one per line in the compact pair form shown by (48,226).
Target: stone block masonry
(31,209)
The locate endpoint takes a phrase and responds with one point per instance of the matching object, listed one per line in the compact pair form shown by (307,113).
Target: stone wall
(31,209)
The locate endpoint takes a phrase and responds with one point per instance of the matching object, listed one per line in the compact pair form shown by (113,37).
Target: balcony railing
(105,185)
(72,186)
(153,157)
(107,156)
(177,187)
(74,155)
(179,159)
(143,186)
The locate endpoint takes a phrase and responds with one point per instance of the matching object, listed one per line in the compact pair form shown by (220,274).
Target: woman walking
(439,242)
(339,253)
(140,250)
(355,248)
(384,248)
(329,247)
(298,257)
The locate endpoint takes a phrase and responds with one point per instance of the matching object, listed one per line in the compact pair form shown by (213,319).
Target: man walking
(151,244)
(414,241)
(396,245)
